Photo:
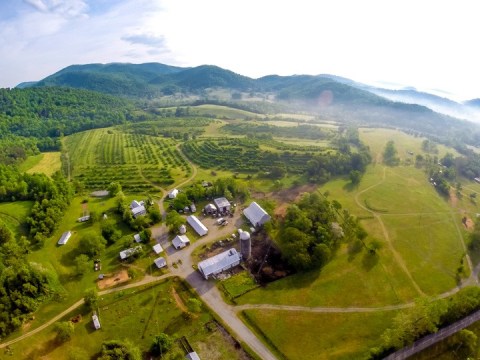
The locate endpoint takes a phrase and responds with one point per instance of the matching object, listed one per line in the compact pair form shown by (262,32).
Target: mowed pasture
(47,163)
(139,162)
(420,234)
(306,335)
(138,315)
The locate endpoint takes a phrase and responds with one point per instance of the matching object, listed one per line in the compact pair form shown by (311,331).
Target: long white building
(218,263)
(197,225)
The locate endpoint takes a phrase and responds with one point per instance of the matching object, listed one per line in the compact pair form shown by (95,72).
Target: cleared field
(137,315)
(139,162)
(224,112)
(305,335)
(13,216)
(46,163)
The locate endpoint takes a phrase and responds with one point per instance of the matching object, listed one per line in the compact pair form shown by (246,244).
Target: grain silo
(245,244)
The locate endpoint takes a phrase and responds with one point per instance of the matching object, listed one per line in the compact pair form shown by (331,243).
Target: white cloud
(69,8)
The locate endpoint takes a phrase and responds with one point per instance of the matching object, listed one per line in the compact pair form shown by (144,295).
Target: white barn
(124,254)
(64,238)
(197,225)
(218,263)
(256,215)
(180,241)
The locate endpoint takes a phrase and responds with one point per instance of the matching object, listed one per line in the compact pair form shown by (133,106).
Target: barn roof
(64,238)
(256,215)
(197,225)
(218,262)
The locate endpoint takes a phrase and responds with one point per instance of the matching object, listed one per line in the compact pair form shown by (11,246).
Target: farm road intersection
(229,313)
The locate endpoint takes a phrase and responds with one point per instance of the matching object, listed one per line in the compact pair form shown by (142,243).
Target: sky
(429,45)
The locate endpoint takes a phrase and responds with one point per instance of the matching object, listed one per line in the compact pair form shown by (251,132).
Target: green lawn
(137,315)
(304,335)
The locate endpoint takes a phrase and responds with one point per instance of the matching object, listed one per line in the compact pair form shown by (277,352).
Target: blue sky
(430,45)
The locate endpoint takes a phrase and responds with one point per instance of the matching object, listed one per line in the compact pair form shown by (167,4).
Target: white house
(222,204)
(124,254)
(96,322)
(138,208)
(197,225)
(218,263)
(137,238)
(157,248)
(64,238)
(173,194)
(160,262)
(180,241)
(256,215)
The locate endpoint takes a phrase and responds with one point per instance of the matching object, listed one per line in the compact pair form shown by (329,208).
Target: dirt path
(398,258)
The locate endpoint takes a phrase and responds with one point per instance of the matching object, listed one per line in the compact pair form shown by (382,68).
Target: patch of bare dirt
(178,300)
(453,198)
(110,280)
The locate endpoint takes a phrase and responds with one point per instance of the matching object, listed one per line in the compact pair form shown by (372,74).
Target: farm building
(180,241)
(64,238)
(160,262)
(137,238)
(222,204)
(96,322)
(124,254)
(197,225)
(157,248)
(209,209)
(193,208)
(83,218)
(218,263)
(173,194)
(256,215)
(192,356)
(138,208)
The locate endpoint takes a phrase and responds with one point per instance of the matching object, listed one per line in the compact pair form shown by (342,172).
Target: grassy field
(137,315)
(304,335)
(46,163)
(139,162)
(224,112)
(13,215)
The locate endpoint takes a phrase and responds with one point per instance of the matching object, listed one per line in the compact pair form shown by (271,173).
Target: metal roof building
(180,241)
(218,263)
(197,225)
(256,215)
(157,248)
(160,262)
(64,238)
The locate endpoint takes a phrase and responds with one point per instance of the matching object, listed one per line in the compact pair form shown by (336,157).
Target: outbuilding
(157,248)
(218,263)
(137,238)
(138,208)
(96,322)
(197,225)
(210,209)
(256,215)
(124,254)
(192,356)
(180,241)
(182,229)
(64,238)
(222,204)
(173,194)
(160,262)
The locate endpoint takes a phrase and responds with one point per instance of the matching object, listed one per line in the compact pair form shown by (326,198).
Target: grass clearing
(45,163)
(238,284)
(306,335)
(13,215)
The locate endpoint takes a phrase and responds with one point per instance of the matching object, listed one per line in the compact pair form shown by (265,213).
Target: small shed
(173,194)
(83,218)
(96,322)
(193,208)
(157,248)
(64,238)
(124,254)
(180,241)
(160,262)
(222,204)
(210,209)
(137,238)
